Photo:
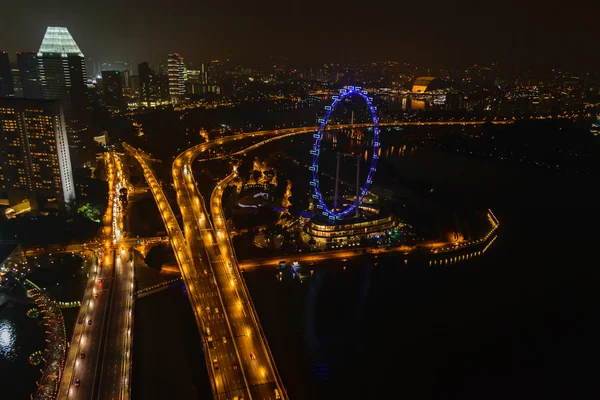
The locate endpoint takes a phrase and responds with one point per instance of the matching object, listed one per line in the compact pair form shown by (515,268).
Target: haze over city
(437,34)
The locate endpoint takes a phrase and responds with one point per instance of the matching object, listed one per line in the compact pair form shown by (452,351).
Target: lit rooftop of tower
(58,40)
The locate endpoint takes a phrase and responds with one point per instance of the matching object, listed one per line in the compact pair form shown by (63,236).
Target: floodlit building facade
(35,164)
(176,71)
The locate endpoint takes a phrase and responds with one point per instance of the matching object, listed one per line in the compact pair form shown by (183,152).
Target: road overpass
(253,355)
(141,244)
(204,298)
(239,361)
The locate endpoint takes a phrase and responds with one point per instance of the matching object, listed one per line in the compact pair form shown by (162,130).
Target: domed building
(421,84)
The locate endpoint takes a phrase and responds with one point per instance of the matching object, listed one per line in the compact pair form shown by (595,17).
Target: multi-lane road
(97,365)
(226,374)
(250,358)
(114,380)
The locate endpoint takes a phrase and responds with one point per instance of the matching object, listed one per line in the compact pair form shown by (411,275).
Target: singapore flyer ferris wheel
(334,213)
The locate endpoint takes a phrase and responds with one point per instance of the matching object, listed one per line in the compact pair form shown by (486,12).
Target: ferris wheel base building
(350,232)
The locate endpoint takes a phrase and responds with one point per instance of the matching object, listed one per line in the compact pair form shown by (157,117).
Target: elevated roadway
(226,375)
(239,360)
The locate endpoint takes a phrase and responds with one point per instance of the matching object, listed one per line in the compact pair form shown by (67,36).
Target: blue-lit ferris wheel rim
(317,149)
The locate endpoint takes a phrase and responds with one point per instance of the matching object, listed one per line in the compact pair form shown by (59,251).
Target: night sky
(527,33)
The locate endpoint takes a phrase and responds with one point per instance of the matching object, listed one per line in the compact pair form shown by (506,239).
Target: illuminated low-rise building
(349,231)
(34,153)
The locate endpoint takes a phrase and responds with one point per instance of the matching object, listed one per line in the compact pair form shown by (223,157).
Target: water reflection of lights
(7,339)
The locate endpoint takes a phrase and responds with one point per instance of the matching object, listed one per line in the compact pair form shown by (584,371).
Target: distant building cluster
(58,74)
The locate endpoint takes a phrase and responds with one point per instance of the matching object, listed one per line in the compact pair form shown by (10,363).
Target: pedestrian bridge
(157,288)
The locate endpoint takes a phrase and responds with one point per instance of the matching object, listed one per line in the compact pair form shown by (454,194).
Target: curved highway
(240,363)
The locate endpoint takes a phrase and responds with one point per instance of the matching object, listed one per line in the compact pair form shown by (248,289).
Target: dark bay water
(20,335)
(520,321)
(168,362)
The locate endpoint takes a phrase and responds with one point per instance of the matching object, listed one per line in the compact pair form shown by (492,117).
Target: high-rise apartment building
(30,74)
(176,73)
(112,81)
(6,80)
(34,153)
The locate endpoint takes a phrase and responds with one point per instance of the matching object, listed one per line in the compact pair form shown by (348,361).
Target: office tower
(153,88)
(145,77)
(6,80)
(134,83)
(34,153)
(18,87)
(63,77)
(204,73)
(125,79)
(62,71)
(112,82)
(176,73)
(193,83)
(30,74)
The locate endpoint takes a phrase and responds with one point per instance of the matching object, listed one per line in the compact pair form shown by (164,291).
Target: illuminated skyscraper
(30,74)
(6,80)
(176,72)
(34,153)
(113,88)
(63,77)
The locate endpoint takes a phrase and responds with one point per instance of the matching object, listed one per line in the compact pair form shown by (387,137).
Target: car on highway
(77,382)
(277,395)
(235,366)
(216,363)
(252,356)
(89,321)
(224,339)
(82,355)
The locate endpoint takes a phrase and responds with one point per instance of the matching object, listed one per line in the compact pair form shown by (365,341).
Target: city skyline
(320,201)
(446,36)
